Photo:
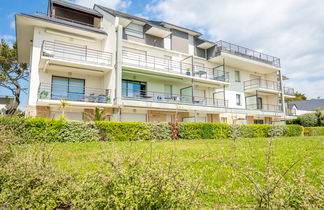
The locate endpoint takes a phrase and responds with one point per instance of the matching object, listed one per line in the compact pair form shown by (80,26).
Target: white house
(5,103)
(296,108)
(143,70)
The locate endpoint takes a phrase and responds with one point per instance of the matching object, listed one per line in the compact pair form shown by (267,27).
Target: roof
(150,22)
(66,23)
(76,7)
(9,97)
(308,105)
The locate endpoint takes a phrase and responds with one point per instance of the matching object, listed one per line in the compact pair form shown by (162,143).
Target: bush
(308,120)
(203,130)
(277,130)
(133,131)
(29,180)
(248,131)
(49,130)
(314,131)
(294,130)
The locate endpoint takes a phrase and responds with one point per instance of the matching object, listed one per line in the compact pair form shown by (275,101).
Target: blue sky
(292,30)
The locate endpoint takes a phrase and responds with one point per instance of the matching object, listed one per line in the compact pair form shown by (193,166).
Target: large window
(135,30)
(67,88)
(133,89)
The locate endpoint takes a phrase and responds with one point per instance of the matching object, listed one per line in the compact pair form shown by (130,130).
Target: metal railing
(75,53)
(162,97)
(56,91)
(259,83)
(223,46)
(143,60)
(264,107)
(289,91)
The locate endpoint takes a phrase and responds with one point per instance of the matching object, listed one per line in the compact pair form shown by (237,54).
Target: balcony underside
(244,63)
(79,104)
(289,96)
(47,63)
(208,109)
(262,91)
(174,75)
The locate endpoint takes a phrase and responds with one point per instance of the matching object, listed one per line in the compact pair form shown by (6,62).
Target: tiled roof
(308,105)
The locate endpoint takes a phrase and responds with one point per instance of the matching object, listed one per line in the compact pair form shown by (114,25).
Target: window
(258,122)
(133,89)
(237,76)
(223,119)
(67,88)
(238,99)
(134,30)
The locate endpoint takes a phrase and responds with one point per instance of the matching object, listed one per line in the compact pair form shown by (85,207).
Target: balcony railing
(143,60)
(264,84)
(55,91)
(75,53)
(265,107)
(223,46)
(289,91)
(161,97)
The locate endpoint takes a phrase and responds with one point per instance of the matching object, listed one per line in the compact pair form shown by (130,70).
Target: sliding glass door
(67,88)
(186,95)
(133,89)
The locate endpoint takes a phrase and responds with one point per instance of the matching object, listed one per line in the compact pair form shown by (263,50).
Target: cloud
(119,4)
(8,38)
(290,29)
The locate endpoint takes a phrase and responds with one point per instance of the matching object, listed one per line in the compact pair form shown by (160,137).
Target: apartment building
(143,70)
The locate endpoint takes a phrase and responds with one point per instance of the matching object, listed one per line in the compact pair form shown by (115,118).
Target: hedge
(314,131)
(203,130)
(49,130)
(132,131)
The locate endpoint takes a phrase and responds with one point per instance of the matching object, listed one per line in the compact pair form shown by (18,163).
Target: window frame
(68,87)
(237,76)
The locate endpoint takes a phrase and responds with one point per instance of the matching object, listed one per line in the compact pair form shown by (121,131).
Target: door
(259,103)
(133,89)
(186,95)
(67,88)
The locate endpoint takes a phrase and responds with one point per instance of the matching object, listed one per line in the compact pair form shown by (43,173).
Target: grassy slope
(202,156)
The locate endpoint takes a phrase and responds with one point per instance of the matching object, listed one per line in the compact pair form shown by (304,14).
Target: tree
(99,114)
(298,97)
(320,116)
(12,73)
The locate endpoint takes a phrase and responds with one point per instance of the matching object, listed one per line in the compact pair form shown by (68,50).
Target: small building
(5,103)
(296,108)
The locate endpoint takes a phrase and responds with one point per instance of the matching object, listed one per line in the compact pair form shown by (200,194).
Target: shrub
(203,130)
(294,130)
(293,121)
(49,130)
(314,131)
(277,130)
(160,131)
(29,180)
(308,120)
(248,131)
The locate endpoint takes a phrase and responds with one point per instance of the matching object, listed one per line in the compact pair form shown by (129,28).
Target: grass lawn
(204,160)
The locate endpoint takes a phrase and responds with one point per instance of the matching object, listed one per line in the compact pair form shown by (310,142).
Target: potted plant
(188,69)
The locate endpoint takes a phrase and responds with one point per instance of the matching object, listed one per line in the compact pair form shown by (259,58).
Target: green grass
(200,158)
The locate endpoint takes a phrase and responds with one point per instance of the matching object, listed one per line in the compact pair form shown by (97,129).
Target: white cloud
(8,38)
(290,29)
(120,4)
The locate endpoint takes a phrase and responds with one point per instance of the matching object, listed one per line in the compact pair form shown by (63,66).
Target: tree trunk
(13,108)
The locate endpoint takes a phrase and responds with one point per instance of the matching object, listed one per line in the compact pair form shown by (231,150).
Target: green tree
(12,73)
(320,116)
(298,97)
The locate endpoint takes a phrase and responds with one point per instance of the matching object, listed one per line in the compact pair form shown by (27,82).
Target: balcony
(223,46)
(264,107)
(162,65)
(60,53)
(162,97)
(73,94)
(289,92)
(262,85)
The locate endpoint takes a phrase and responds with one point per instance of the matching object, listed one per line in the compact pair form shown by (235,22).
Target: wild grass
(246,173)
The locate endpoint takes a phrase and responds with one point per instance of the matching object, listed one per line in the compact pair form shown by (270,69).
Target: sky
(292,30)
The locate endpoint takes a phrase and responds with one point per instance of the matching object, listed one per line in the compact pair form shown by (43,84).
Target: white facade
(139,71)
